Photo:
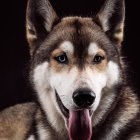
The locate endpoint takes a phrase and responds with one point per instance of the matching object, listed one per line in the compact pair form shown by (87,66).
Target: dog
(79,78)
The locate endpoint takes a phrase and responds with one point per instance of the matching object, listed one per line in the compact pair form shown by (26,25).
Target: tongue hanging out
(80,127)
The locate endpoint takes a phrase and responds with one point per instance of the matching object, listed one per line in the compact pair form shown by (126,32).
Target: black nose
(83,98)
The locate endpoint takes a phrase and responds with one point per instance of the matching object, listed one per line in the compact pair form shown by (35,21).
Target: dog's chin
(78,121)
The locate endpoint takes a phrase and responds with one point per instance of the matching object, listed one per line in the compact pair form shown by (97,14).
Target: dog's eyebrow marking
(93,48)
(67,47)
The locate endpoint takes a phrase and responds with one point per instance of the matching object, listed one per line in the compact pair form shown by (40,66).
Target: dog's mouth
(79,122)
(63,109)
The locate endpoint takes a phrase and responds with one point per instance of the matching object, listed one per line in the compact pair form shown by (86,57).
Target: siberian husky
(79,78)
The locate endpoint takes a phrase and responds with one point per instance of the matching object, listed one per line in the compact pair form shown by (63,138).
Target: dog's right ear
(40,19)
(111,18)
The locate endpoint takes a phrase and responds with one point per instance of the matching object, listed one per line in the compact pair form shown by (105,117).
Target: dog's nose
(83,98)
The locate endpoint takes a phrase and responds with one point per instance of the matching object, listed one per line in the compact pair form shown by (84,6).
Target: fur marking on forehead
(67,46)
(93,49)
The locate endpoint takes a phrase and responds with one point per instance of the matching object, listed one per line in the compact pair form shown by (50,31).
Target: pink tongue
(80,125)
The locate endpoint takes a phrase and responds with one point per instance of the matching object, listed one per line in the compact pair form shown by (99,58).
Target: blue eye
(62,59)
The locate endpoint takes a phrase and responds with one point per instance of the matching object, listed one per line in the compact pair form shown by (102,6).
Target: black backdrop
(14,56)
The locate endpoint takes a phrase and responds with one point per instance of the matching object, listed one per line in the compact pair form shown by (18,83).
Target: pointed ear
(111,18)
(40,19)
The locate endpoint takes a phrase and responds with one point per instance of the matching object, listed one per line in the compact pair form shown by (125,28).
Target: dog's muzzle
(80,126)
(84,98)
(79,121)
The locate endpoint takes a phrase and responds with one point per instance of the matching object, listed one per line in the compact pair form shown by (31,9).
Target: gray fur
(117,117)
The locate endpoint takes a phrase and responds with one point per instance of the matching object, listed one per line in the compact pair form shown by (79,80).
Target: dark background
(14,56)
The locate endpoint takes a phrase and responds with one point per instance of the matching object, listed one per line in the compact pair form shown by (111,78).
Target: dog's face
(74,61)
(80,59)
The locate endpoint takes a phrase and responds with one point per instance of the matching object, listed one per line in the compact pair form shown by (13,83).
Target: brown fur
(15,122)
(118,114)
(57,67)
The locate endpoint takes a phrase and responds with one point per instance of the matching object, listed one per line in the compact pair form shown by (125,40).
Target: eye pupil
(62,59)
(97,59)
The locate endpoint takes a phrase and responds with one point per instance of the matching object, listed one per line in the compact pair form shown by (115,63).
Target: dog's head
(75,61)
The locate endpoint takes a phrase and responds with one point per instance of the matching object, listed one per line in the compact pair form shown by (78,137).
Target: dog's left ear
(111,18)
(40,19)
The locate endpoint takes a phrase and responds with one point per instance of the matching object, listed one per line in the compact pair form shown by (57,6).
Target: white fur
(64,84)
(113,74)
(111,77)
(43,134)
(46,96)
(69,81)
(96,81)
(46,81)
(67,47)
(93,49)
(31,138)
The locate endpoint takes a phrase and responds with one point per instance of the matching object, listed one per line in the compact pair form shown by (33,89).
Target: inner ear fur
(40,19)
(111,18)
